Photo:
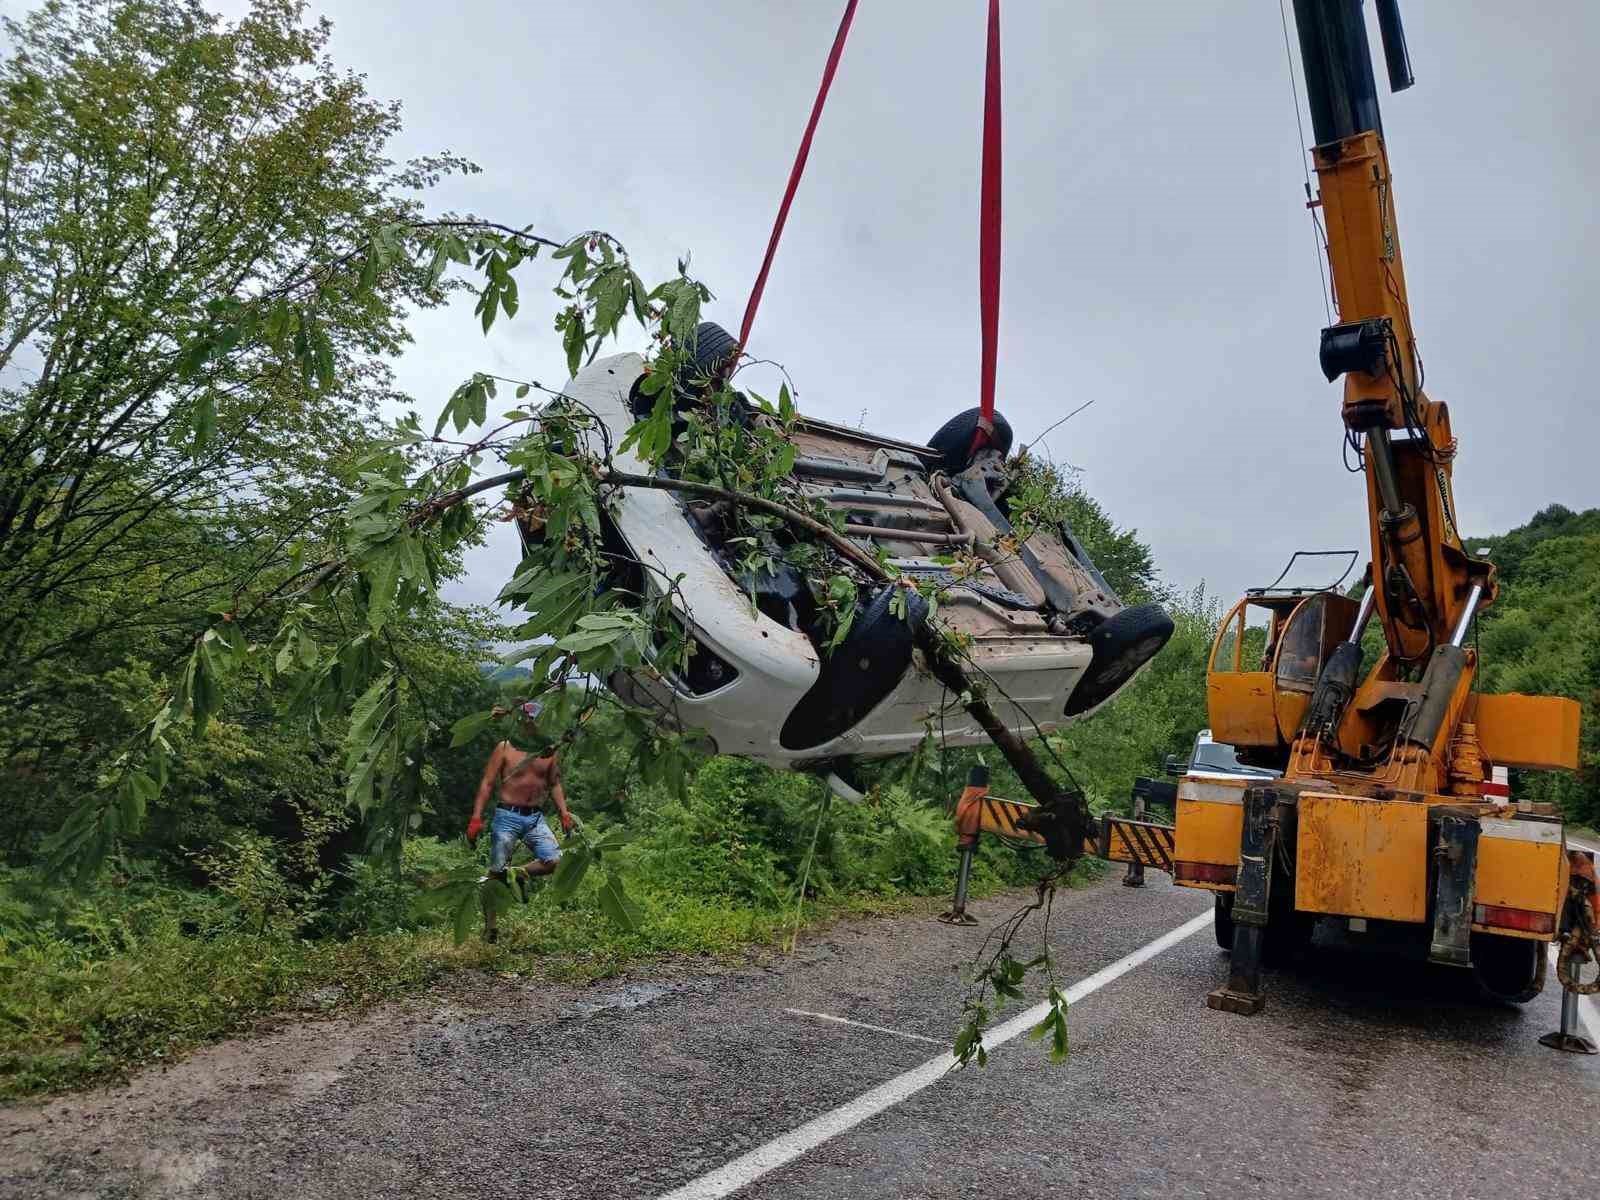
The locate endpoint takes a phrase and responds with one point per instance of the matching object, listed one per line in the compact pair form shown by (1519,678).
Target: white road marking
(915,1037)
(786,1147)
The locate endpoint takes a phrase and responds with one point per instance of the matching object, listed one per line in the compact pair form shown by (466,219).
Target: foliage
(1542,636)
(1043,494)
(161,170)
(141,966)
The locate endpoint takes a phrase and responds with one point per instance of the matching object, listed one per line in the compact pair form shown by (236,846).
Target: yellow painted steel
(1518,874)
(1528,731)
(1362,858)
(1133,841)
(1208,832)
(1000,817)
(1242,708)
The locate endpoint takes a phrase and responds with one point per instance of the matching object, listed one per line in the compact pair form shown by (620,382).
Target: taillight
(1204,872)
(1521,919)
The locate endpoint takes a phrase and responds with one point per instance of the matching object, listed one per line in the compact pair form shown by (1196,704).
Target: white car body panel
(1030,671)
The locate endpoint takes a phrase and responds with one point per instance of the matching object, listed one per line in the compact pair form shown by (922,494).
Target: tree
(160,170)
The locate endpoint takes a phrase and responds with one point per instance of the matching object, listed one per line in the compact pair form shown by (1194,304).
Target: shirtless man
(524,780)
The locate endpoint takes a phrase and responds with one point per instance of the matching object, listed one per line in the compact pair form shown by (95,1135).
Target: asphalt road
(1363,1077)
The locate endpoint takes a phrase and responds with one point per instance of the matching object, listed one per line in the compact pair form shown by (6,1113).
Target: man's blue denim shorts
(531,829)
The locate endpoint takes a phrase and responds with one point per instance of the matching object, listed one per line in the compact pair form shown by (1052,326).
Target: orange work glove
(474,828)
(566,822)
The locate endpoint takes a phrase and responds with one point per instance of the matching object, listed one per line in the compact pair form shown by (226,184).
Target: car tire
(1121,644)
(714,347)
(1509,969)
(859,673)
(954,440)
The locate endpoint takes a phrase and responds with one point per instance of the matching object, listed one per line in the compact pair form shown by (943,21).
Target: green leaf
(205,422)
(382,572)
(321,355)
(194,357)
(414,562)
(573,340)
(618,907)
(367,716)
(469,727)
(684,316)
(441,257)
(590,639)
(574,866)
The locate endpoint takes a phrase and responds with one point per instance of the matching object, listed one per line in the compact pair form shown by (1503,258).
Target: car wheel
(1122,644)
(714,350)
(714,346)
(860,672)
(1507,968)
(954,440)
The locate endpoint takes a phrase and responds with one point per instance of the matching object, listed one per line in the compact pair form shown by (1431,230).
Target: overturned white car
(1047,634)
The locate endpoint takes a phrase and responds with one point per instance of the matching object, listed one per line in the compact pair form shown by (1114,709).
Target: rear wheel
(1508,968)
(954,440)
(1222,920)
(714,349)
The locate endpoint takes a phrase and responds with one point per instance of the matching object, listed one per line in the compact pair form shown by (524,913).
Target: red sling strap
(988,215)
(989,230)
(795,173)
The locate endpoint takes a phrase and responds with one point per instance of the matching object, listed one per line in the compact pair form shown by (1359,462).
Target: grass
(70,1019)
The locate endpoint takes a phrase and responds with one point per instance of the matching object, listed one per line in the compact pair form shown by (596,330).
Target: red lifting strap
(989,230)
(795,173)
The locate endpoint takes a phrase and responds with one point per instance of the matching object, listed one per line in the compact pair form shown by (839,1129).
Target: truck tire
(1509,969)
(954,440)
(1222,920)
(1289,935)
(1122,644)
(860,672)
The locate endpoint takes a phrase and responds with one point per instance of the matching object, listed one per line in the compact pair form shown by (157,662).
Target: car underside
(1042,629)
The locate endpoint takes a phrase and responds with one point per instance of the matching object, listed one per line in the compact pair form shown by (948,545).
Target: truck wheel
(1222,920)
(1507,968)
(954,440)
(1288,936)
(1121,645)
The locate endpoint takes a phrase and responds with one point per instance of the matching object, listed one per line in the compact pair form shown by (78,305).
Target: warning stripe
(1147,842)
(1004,817)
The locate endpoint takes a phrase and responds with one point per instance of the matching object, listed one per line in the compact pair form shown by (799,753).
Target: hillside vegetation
(1543,636)
(229,786)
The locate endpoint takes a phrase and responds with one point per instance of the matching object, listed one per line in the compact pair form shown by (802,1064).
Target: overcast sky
(1158,256)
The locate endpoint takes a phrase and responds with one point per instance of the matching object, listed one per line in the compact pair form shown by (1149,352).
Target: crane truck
(1350,773)
(1364,792)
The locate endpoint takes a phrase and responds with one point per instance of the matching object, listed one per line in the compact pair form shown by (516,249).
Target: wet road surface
(1365,1076)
